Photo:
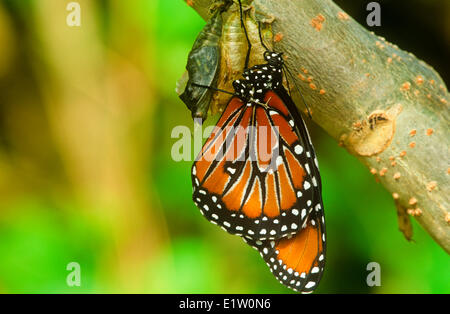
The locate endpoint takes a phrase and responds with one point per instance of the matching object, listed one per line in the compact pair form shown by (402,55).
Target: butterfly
(257,177)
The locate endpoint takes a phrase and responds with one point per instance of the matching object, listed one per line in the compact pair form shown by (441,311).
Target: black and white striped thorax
(260,78)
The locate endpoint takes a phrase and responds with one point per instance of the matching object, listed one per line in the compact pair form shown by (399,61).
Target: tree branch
(382,104)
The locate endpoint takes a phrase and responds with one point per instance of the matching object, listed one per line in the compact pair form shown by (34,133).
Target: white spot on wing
(306,185)
(310,284)
(307,169)
(279,160)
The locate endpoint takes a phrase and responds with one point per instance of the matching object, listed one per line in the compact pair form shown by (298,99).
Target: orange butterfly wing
(297,261)
(254,174)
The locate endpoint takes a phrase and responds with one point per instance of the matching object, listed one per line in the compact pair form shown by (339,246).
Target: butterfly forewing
(253,176)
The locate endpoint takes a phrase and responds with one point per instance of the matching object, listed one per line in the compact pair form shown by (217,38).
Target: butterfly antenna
(287,83)
(247,57)
(260,37)
(215,89)
(298,90)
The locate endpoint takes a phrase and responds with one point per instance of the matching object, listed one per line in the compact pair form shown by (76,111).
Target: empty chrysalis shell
(202,68)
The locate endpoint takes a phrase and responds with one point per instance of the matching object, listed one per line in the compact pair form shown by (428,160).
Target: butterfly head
(274,58)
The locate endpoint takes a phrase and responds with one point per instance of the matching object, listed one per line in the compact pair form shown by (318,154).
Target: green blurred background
(86,174)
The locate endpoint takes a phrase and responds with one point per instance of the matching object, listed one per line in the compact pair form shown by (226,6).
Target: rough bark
(385,106)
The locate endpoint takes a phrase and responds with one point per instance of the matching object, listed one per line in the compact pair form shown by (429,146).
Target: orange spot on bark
(413,132)
(357,125)
(317,22)
(430,131)
(312,86)
(414,212)
(412,201)
(406,86)
(431,185)
(412,144)
(343,16)
(395,196)
(278,37)
(419,79)
(397,175)
(373,171)
(383,172)
(190,3)
(322,91)
(403,154)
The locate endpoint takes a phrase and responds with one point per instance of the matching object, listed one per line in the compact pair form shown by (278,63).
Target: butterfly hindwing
(298,261)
